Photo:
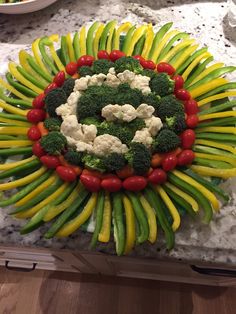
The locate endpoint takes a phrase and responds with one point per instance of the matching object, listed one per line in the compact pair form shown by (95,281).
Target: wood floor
(45,292)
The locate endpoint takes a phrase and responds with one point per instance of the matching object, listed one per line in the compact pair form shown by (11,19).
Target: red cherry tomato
(188,138)
(36,115)
(165,67)
(179,81)
(38,102)
(112,184)
(59,79)
(182,94)
(85,60)
(158,176)
(116,54)
(191,106)
(51,162)
(93,184)
(34,133)
(169,162)
(38,150)
(135,183)
(186,157)
(148,64)
(192,121)
(50,87)
(66,173)
(71,68)
(103,54)
(139,58)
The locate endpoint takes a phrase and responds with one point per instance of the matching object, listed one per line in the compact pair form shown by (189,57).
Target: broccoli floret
(114,162)
(128,95)
(52,124)
(128,63)
(94,162)
(176,123)
(136,124)
(68,86)
(149,73)
(54,99)
(161,84)
(85,70)
(73,157)
(102,66)
(91,120)
(152,100)
(165,141)
(169,106)
(53,143)
(139,157)
(120,130)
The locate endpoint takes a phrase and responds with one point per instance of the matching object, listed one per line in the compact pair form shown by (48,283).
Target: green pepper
(189,60)
(89,39)
(15,151)
(217,90)
(118,222)
(45,41)
(138,48)
(13,116)
(41,84)
(38,70)
(10,172)
(99,217)
(127,39)
(219,137)
(21,88)
(222,107)
(76,45)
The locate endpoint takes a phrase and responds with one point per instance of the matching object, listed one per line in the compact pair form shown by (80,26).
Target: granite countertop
(205,21)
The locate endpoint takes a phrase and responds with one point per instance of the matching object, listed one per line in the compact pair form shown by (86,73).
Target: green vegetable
(91,120)
(169,106)
(227,105)
(103,40)
(52,124)
(85,70)
(165,141)
(40,83)
(190,59)
(229,121)
(152,100)
(16,170)
(76,45)
(176,123)
(128,95)
(128,63)
(99,217)
(212,163)
(21,88)
(218,90)
(68,86)
(94,162)
(127,39)
(53,143)
(73,157)
(45,41)
(213,150)
(15,151)
(139,157)
(89,39)
(54,99)
(218,137)
(102,66)
(118,222)
(15,101)
(161,84)
(139,46)
(114,162)
(13,116)
(34,65)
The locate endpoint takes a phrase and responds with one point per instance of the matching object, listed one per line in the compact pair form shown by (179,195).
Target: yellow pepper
(14,91)
(148,42)
(177,48)
(15,130)
(218,129)
(207,71)
(12,109)
(15,122)
(97,38)
(15,143)
(214,172)
(123,28)
(151,216)
(104,235)
(54,55)
(14,164)
(201,90)
(227,159)
(216,97)
(130,225)
(37,55)
(138,33)
(110,37)
(82,40)
(222,114)
(70,48)
(216,144)
(194,63)
(184,56)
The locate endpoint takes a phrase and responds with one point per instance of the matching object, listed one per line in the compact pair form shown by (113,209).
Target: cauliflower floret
(65,110)
(112,71)
(112,80)
(82,147)
(154,124)
(89,132)
(141,82)
(69,124)
(71,141)
(72,100)
(82,83)
(97,79)
(109,111)
(106,144)
(143,136)
(127,113)
(126,76)
(145,111)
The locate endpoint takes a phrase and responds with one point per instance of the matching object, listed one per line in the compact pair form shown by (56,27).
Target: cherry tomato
(148,64)
(179,81)
(66,173)
(51,162)
(191,106)
(182,94)
(103,54)
(186,157)
(34,133)
(50,87)
(85,60)
(116,54)
(71,68)
(112,184)
(135,183)
(169,162)
(59,79)
(38,102)
(165,67)
(187,138)
(38,150)
(139,58)
(93,184)
(192,121)
(158,176)
(36,115)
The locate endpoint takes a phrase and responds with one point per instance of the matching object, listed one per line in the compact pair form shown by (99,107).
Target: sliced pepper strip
(175,49)
(138,33)
(15,143)
(104,235)
(214,172)
(15,122)
(54,55)
(14,91)
(123,28)
(216,144)
(223,114)
(183,57)
(194,63)
(148,42)
(218,129)
(130,225)
(82,40)
(96,39)
(201,90)
(206,72)
(110,37)
(14,164)
(8,130)
(37,55)
(216,97)
(70,48)
(151,216)
(210,196)
(227,159)
(75,223)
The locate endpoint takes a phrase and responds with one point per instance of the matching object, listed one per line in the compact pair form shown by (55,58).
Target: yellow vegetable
(177,48)
(218,129)
(151,216)
(230,160)
(37,55)
(15,122)
(203,89)
(70,47)
(214,172)
(110,37)
(9,130)
(97,38)
(216,97)
(54,54)
(82,40)
(14,164)
(123,28)
(216,144)
(130,225)
(14,91)
(184,56)
(207,71)
(15,143)
(194,63)
(12,109)
(222,114)
(148,42)
(104,235)
(138,33)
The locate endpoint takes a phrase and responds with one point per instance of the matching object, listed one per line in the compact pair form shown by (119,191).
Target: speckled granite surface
(207,22)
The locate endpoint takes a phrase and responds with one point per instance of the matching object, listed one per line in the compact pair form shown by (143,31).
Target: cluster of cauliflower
(84,137)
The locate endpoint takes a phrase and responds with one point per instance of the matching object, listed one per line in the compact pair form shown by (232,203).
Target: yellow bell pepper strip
(32,211)
(214,172)
(130,225)
(82,40)
(171,207)
(201,90)
(148,42)
(216,97)
(104,235)
(36,191)
(151,216)
(227,159)
(15,143)
(75,223)
(210,196)
(175,49)
(223,114)
(14,164)
(188,198)
(23,181)
(97,39)
(123,28)
(216,144)
(8,130)
(194,63)
(177,62)
(54,55)
(110,37)
(55,210)
(218,129)
(206,72)
(138,33)
(70,48)
(15,122)
(14,91)
(37,55)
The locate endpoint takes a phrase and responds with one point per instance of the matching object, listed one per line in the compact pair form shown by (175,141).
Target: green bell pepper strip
(212,150)
(45,41)
(39,70)
(220,89)
(21,88)
(219,137)
(89,39)
(16,102)
(10,172)
(99,218)
(212,163)
(118,222)
(138,48)
(127,39)
(13,116)
(229,121)
(104,36)
(41,84)
(15,151)
(76,45)
(196,54)
(65,58)
(222,107)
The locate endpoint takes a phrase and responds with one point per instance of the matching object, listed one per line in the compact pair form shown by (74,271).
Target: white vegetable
(142,83)
(154,124)
(107,144)
(145,111)
(143,136)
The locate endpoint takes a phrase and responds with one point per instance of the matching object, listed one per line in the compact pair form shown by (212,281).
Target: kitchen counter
(205,21)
